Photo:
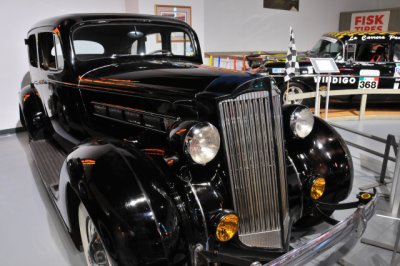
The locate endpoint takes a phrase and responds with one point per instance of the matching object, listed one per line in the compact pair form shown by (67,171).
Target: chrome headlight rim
(301,122)
(194,134)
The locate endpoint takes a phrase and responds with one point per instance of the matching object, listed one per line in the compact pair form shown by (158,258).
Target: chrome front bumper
(345,231)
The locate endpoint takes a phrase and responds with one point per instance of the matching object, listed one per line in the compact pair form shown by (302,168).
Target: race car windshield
(327,48)
(126,39)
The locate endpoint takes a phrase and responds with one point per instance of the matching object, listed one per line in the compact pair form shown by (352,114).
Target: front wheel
(93,247)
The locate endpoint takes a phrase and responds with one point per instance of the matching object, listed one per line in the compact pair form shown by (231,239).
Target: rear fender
(32,113)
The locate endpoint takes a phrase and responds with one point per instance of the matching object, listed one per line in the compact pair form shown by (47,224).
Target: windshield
(327,48)
(126,39)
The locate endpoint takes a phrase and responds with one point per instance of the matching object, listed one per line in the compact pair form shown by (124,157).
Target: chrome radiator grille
(253,142)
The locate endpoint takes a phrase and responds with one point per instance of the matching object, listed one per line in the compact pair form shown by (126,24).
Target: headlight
(301,122)
(202,142)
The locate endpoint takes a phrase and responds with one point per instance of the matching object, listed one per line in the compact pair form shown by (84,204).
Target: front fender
(127,199)
(322,153)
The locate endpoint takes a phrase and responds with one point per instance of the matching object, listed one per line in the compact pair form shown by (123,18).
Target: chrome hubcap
(292,90)
(95,253)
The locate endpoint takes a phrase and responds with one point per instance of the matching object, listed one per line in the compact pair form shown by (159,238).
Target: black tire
(22,119)
(295,88)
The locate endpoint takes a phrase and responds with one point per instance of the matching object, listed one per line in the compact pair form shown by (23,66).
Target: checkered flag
(291,64)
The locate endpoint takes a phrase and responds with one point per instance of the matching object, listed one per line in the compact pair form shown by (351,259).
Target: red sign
(371,21)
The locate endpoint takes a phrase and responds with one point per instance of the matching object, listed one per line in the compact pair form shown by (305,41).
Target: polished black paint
(149,202)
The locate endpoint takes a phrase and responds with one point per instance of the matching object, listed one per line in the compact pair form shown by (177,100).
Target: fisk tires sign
(370,21)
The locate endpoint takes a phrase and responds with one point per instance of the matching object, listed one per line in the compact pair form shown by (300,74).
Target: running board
(49,160)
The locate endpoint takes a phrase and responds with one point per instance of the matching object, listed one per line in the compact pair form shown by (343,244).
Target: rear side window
(46,44)
(372,52)
(32,51)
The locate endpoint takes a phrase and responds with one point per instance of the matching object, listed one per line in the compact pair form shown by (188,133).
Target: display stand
(323,66)
(395,210)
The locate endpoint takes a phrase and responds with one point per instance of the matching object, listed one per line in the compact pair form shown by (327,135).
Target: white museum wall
(15,20)
(379,4)
(148,6)
(237,25)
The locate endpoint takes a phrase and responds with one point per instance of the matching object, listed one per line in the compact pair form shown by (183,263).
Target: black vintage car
(152,158)
(366,60)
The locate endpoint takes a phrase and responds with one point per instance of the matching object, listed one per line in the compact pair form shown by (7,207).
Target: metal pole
(317,104)
(363,106)
(327,97)
(395,191)
(390,141)
(396,246)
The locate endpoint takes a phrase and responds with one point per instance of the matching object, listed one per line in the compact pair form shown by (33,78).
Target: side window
(372,52)
(181,44)
(46,44)
(32,51)
(396,52)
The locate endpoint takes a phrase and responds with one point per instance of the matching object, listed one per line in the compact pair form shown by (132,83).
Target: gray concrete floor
(32,233)
(367,171)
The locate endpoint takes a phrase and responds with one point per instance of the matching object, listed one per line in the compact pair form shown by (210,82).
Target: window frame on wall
(174,11)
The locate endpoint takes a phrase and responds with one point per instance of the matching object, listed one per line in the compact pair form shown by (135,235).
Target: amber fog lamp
(227,227)
(318,188)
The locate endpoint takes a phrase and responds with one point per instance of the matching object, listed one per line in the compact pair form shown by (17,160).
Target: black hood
(165,77)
